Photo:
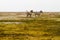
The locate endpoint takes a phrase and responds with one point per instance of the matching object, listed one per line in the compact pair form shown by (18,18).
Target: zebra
(38,13)
(29,14)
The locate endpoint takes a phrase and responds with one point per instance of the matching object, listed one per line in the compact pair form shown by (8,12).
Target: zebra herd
(29,14)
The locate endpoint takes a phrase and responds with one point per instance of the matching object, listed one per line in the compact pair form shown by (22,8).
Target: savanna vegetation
(29,29)
(16,27)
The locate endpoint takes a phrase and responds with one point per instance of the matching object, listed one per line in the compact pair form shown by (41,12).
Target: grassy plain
(43,28)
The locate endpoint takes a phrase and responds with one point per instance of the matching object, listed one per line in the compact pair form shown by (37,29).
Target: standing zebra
(38,13)
(29,14)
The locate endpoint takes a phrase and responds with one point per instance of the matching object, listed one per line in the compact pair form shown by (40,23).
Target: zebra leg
(35,15)
(27,15)
(30,15)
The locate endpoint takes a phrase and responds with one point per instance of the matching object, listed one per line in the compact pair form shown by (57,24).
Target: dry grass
(42,28)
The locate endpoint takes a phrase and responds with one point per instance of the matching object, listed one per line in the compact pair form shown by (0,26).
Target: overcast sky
(23,5)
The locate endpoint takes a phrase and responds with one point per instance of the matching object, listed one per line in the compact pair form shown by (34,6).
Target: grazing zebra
(38,13)
(29,14)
